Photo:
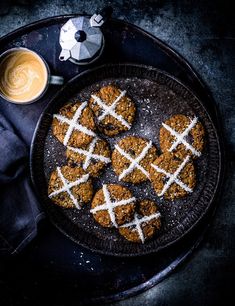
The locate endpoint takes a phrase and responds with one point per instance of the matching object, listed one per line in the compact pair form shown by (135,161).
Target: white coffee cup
(24,76)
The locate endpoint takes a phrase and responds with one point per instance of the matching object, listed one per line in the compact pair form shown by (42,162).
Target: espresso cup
(24,76)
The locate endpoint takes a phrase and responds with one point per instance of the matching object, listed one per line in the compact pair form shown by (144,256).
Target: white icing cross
(110,109)
(73,123)
(109,205)
(89,154)
(180,137)
(173,178)
(137,222)
(134,162)
(68,185)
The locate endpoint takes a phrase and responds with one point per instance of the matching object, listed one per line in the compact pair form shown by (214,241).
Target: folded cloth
(13,153)
(19,214)
(20,210)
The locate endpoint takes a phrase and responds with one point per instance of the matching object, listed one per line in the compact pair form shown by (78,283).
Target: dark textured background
(203,32)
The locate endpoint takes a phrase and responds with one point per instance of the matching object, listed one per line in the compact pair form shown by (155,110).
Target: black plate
(53,266)
(157,96)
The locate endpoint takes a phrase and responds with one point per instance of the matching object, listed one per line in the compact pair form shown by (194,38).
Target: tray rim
(153,281)
(32,152)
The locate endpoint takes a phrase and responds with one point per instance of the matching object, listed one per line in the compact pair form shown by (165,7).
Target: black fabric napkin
(20,210)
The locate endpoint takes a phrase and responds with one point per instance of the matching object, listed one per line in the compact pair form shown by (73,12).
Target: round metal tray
(154,86)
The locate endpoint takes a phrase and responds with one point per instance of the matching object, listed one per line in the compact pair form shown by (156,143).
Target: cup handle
(56,80)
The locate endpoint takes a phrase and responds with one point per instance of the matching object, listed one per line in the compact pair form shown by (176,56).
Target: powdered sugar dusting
(155,103)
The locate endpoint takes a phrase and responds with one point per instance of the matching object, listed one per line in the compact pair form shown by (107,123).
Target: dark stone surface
(204,34)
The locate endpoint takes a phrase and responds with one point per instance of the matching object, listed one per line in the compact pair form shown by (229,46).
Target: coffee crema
(23,76)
